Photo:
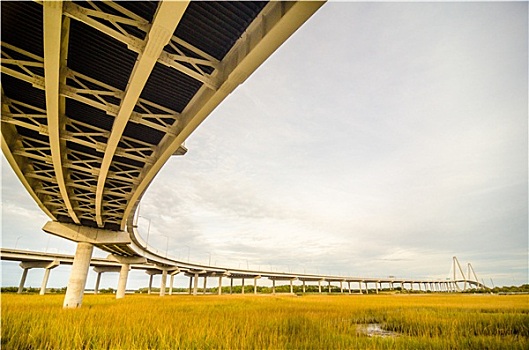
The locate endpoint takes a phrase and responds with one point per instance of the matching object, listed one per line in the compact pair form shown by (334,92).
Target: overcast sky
(380,139)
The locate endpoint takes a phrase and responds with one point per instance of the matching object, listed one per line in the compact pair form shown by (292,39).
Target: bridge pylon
(469,279)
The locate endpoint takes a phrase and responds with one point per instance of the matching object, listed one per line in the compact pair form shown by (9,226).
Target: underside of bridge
(97,96)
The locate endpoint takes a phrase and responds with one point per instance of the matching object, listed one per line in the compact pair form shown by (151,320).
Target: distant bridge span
(32,259)
(97,96)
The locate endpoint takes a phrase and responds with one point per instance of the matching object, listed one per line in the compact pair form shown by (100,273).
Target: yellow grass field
(430,321)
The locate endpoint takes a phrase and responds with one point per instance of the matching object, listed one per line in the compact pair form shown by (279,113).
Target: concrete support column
(171,281)
(376,287)
(205,284)
(195,284)
(77,281)
(291,288)
(367,288)
(150,284)
(341,287)
(44,281)
(303,287)
(329,283)
(349,286)
(319,286)
(242,289)
(190,283)
(231,285)
(122,282)
(163,282)
(219,292)
(255,285)
(360,286)
(98,280)
(22,280)
(273,286)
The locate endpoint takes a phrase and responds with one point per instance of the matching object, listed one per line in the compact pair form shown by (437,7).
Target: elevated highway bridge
(48,261)
(97,96)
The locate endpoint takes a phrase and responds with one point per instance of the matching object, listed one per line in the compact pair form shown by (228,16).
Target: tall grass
(266,322)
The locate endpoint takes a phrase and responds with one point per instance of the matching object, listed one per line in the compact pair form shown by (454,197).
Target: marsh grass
(266,322)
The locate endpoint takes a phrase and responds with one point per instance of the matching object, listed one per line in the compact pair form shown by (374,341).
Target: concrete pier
(100,270)
(77,282)
(149,290)
(219,292)
(163,282)
(195,284)
(23,280)
(122,282)
(47,271)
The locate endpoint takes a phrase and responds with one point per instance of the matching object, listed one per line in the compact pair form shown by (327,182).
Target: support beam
(273,286)
(77,281)
(291,287)
(303,286)
(54,58)
(231,285)
(319,286)
(242,289)
(190,283)
(164,24)
(255,285)
(360,286)
(219,292)
(205,284)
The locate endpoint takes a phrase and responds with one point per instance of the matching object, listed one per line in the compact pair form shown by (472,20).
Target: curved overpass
(97,96)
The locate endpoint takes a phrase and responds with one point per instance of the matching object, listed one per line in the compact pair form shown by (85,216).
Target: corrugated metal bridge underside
(96,96)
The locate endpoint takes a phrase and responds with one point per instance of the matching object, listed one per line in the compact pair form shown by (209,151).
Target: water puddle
(375,330)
